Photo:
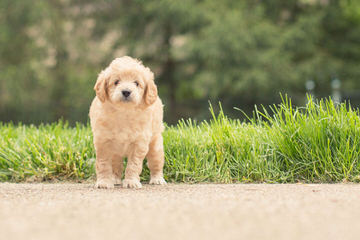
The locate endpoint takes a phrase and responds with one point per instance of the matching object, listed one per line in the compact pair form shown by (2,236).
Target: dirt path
(77,211)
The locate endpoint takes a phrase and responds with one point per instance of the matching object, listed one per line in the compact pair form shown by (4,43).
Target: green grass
(317,143)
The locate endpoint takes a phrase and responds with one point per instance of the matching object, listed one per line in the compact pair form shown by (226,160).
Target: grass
(316,143)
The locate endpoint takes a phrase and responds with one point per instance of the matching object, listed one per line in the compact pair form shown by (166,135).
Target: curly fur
(127,126)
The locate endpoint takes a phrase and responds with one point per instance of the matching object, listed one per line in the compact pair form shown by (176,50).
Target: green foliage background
(238,52)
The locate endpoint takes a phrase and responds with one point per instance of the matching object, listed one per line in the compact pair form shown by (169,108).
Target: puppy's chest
(123,129)
(127,135)
(130,135)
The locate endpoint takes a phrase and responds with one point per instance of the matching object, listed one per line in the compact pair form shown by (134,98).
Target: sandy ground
(179,211)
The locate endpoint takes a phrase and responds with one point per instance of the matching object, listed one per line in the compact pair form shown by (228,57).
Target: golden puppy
(126,120)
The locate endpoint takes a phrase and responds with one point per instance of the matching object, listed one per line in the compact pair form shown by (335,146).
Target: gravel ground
(179,211)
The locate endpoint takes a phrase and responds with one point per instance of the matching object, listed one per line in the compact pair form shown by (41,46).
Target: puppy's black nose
(126,93)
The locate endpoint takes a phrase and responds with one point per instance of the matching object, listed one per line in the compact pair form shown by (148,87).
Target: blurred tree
(351,9)
(57,15)
(341,39)
(238,52)
(241,55)
(17,53)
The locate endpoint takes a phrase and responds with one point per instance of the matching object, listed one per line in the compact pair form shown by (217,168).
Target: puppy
(126,121)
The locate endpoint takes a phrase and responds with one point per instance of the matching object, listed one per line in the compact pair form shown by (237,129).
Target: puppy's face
(126,87)
(126,82)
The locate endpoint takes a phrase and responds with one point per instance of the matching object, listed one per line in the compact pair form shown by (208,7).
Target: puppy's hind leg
(117,168)
(155,158)
(134,166)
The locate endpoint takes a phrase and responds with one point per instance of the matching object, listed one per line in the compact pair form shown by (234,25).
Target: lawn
(316,143)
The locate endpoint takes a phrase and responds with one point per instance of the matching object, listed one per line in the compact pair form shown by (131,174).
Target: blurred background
(240,53)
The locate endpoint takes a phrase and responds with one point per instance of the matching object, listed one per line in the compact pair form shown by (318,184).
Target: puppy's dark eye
(136,83)
(116,82)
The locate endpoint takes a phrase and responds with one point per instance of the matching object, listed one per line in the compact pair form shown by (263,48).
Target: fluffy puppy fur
(126,120)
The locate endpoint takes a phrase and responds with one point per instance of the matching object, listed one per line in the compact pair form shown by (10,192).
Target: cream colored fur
(127,127)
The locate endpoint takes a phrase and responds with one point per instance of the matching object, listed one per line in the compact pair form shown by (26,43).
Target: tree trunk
(58,104)
(168,77)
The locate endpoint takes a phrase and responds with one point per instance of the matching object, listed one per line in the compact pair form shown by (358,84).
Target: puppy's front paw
(104,183)
(157,181)
(131,183)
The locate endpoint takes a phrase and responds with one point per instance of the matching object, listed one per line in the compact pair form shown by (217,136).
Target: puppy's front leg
(134,166)
(104,173)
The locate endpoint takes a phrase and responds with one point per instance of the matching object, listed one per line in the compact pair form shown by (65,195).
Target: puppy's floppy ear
(101,86)
(151,89)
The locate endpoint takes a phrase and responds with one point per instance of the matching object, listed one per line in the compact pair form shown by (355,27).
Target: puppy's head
(126,81)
